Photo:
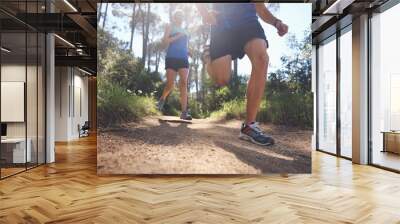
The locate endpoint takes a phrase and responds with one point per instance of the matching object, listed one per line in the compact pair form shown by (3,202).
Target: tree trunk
(146,25)
(203,80)
(149,57)
(235,67)
(158,56)
(133,25)
(99,12)
(105,16)
(196,71)
(235,74)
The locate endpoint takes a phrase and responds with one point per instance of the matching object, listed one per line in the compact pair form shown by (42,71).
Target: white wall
(62,81)
(12,73)
(80,94)
(70,83)
(33,126)
(16,73)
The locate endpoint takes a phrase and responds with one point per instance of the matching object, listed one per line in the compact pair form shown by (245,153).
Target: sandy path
(154,146)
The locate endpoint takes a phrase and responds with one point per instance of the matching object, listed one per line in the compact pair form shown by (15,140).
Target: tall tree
(150,51)
(133,25)
(100,7)
(158,51)
(105,16)
(204,37)
(152,33)
(145,28)
(235,77)
(196,76)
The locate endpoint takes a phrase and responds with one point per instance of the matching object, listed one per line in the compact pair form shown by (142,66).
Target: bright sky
(296,15)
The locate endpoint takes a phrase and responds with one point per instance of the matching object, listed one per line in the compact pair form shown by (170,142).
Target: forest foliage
(129,84)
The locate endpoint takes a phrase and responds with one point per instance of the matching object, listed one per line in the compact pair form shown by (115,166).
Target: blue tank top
(231,15)
(178,48)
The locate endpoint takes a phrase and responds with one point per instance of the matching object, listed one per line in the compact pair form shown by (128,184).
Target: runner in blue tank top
(176,62)
(236,31)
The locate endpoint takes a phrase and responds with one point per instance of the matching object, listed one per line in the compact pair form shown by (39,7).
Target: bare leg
(171,75)
(220,70)
(183,84)
(256,50)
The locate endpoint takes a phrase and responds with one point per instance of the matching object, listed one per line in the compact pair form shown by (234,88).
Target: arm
(202,8)
(267,17)
(166,39)
(208,16)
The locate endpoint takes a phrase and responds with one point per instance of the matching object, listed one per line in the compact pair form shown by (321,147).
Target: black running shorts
(233,40)
(176,63)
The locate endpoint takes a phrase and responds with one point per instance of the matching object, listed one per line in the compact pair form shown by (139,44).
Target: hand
(179,35)
(282,28)
(176,37)
(210,18)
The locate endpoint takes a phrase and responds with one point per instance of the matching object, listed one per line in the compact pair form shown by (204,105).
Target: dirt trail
(156,146)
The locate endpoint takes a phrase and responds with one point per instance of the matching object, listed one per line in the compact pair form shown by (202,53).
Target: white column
(360,90)
(50,94)
(62,103)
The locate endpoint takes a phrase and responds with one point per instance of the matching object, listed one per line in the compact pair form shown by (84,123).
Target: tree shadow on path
(267,163)
(201,135)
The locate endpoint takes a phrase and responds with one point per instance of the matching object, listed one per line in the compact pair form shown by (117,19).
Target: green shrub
(286,108)
(283,108)
(234,109)
(117,106)
(172,105)
(196,110)
(263,114)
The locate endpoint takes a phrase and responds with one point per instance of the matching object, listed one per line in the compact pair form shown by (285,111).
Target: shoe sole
(248,138)
(185,119)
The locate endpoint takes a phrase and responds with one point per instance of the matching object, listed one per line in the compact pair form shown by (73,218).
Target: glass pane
(13,86)
(41,99)
(327,97)
(346,94)
(31,98)
(386,89)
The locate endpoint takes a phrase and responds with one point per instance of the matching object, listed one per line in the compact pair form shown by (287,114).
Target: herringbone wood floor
(69,191)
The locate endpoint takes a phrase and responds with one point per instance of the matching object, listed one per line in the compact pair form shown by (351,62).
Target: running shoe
(185,115)
(254,134)
(160,105)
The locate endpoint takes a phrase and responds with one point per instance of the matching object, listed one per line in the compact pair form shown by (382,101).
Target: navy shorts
(176,63)
(232,41)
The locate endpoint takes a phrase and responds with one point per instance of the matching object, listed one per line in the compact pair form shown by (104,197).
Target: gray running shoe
(254,134)
(160,105)
(185,115)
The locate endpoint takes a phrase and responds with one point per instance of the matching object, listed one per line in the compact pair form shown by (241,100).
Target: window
(327,96)
(346,74)
(22,77)
(385,89)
